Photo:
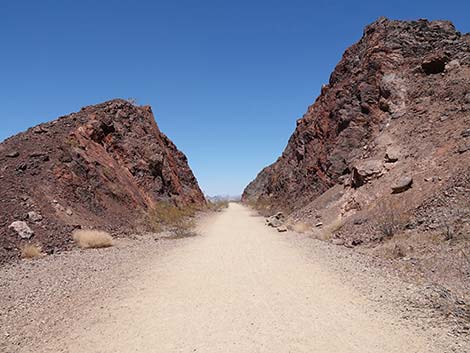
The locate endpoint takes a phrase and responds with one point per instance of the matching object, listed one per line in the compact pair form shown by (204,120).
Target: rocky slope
(384,152)
(101,167)
(395,75)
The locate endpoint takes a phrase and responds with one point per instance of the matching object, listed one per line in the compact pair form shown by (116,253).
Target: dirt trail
(238,288)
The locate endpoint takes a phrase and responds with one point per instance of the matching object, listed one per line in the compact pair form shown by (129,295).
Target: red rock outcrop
(103,166)
(390,80)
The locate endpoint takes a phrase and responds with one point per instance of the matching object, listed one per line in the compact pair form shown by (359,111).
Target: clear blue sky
(226,79)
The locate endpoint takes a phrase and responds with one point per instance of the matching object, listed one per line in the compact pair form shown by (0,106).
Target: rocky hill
(398,73)
(385,148)
(102,167)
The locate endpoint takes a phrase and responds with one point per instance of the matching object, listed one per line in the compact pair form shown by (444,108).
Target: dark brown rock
(365,171)
(392,155)
(402,185)
(435,63)
(464,147)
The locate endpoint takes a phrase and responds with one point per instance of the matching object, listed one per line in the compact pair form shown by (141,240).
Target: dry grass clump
(218,206)
(394,250)
(397,247)
(31,251)
(390,217)
(90,239)
(168,216)
(301,227)
(329,230)
(262,205)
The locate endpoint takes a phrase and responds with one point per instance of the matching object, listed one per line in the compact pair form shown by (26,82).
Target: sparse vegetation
(166,216)
(265,207)
(31,251)
(448,231)
(218,206)
(301,227)
(390,217)
(87,238)
(327,232)
(395,251)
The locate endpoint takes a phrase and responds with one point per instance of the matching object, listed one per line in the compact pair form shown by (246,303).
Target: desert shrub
(218,206)
(327,232)
(300,227)
(267,207)
(259,204)
(86,239)
(30,251)
(388,224)
(166,216)
(449,231)
(397,247)
(390,217)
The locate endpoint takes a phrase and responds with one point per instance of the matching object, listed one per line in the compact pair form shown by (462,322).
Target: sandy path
(238,288)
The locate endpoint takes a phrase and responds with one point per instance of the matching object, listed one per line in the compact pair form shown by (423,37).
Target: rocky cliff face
(101,167)
(394,88)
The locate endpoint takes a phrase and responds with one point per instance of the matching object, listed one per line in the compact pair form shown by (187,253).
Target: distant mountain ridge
(215,198)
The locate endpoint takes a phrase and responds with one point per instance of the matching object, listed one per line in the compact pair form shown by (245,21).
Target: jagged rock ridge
(377,84)
(101,167)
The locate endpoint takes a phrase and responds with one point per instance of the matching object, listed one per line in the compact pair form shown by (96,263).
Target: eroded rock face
(392,76)
(102,167)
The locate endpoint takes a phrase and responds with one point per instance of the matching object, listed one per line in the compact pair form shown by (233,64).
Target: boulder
(452,65)
(34,216)
(13,154)
(22,229)
(402,185)
(40,130)
(365,171)
(282,229)
(392,155)
(276,220)
(467,98)
(464,147)
(273,222)
(39,155)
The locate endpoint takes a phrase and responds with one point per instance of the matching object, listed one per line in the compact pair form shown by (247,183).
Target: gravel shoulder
(238,287)
(427,307)
(41,299)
